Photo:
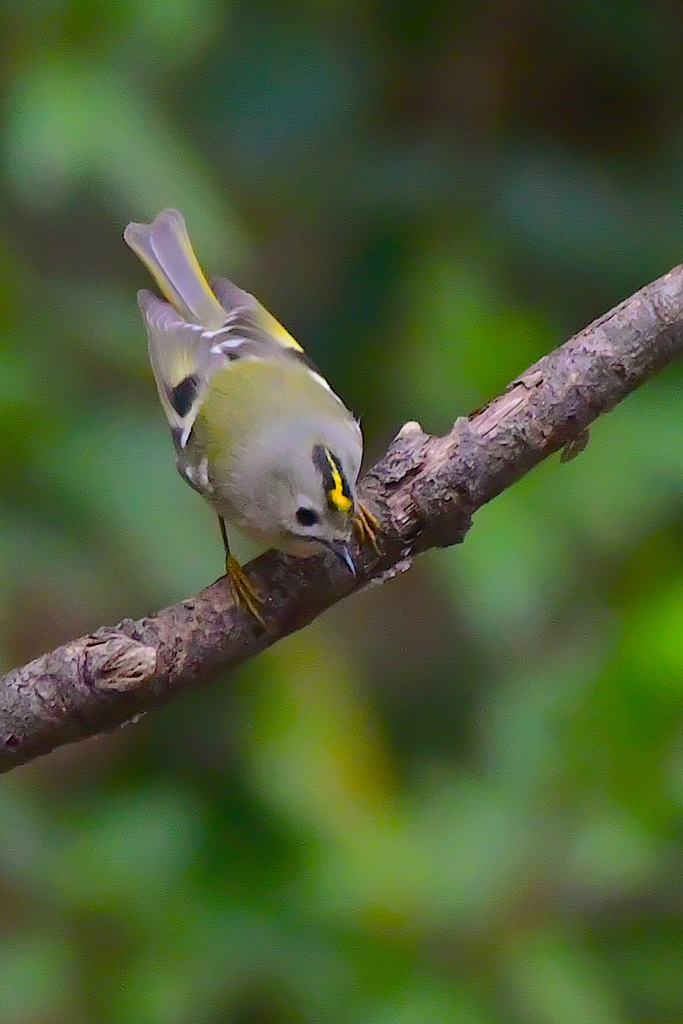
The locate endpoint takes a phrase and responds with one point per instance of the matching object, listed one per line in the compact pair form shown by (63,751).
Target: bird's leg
(367,528)
(242,589)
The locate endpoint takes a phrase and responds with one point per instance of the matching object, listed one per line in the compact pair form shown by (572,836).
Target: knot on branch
(424,499)
(117,662)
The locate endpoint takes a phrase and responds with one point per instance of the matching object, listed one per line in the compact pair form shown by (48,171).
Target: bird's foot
(367,528)
(243,591)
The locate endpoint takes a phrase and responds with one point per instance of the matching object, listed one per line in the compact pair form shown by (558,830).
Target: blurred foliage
(458,798)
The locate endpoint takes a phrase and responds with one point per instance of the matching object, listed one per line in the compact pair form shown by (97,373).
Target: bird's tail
(164,247)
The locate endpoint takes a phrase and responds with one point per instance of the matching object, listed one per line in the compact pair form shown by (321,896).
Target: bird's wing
(200,329)
(252,316)
(179,353)
(185,356)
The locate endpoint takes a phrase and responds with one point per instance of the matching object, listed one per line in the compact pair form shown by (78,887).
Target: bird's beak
(343,552)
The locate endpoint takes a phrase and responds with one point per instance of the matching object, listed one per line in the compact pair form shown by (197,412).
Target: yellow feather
(277,331)
(337,496)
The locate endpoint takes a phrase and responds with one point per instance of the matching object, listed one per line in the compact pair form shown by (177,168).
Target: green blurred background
(457,798)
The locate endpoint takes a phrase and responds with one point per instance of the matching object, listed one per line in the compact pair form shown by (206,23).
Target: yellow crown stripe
(338,493)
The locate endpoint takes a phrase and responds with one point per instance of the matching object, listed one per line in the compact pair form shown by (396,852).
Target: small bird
(257,430)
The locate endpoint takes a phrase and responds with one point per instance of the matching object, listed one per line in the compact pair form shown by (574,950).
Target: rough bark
(424,493)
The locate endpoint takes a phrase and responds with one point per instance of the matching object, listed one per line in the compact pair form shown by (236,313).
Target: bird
(257,430)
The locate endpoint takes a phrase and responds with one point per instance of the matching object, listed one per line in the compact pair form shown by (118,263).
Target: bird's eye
(307,516)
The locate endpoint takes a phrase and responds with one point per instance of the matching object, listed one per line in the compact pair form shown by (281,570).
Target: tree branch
(424,492)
